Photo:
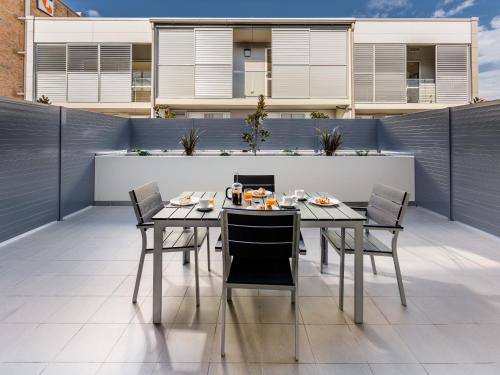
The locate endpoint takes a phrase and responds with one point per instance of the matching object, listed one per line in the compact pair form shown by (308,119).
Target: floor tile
(92,343)
(397,369)
(188,343)
(72,368)
(126,369)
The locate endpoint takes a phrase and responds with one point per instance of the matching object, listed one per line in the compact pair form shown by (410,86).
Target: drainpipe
(27,6)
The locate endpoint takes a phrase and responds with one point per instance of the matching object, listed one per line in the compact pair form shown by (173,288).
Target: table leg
(358,273)
(157,271)
(196,271)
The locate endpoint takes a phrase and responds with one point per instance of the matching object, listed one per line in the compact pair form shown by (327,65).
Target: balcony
(249,84)
(141,90)
(421,90)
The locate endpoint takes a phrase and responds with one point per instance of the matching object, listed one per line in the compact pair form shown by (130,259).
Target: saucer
(206,209)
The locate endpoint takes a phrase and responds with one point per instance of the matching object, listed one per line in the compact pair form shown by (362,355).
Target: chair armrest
(355,208)
(383,227)
(145,225)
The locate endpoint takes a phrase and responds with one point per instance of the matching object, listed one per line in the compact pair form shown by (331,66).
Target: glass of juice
(247,196)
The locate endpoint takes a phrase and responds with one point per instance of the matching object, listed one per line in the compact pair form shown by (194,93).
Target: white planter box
(349,178)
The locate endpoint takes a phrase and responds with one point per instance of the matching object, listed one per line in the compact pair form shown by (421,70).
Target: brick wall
(12,41)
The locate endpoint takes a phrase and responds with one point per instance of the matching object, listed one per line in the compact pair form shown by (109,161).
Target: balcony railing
(252,83)
(141,89)
(421,90)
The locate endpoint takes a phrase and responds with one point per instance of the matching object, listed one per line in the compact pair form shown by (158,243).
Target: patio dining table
(312,216)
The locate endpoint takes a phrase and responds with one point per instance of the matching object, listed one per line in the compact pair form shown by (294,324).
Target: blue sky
(487,10)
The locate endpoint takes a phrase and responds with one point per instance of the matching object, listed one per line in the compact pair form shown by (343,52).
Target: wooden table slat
(335,211)
(346,210)
(318,211)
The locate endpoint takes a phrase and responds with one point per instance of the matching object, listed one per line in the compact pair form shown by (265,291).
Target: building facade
(12,41)
(216,68)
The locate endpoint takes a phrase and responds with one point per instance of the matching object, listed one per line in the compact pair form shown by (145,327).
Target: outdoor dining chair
(254,182)
(147,202)
(385,211)
(261,250)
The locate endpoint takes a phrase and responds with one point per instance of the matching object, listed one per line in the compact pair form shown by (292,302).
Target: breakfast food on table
(260,192)
(322,200)
(185,200)
(260,207)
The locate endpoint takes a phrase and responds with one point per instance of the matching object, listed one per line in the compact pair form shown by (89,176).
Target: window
(209,115)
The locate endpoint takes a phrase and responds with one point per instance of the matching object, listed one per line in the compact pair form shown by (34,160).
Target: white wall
(412,32)
(92,30)
(349,178)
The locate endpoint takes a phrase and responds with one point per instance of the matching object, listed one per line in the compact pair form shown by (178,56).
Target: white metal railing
(141,89)
(421,90)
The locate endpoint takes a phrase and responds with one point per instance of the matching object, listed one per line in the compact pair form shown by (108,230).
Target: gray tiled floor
(66,308)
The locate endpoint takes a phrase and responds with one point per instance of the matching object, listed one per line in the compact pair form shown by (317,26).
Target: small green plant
(190,140)
(330,140)
(224,153)
(43,100)
(141,152)
(319,115)
(362,152)
(257,133)
(291,152)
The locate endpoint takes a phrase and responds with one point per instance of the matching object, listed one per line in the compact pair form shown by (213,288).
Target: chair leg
(223,324)
(296,330)
(322,251)
(141,266)
(374,268)
(208,248)
(229,294)
(293,296)
(196,270)
(400,280)
(342,270)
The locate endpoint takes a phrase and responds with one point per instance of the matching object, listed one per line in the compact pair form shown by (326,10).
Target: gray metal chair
(258,248)
(385,211)
(147,202)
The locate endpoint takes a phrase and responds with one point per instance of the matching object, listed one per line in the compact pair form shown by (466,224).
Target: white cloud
(489,60)
(441,12)
(388,4)
(90,13)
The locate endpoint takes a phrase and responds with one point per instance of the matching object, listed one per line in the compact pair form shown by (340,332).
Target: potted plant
(330,140)
(257,133)
(43,100)
(190,140)
(167,113)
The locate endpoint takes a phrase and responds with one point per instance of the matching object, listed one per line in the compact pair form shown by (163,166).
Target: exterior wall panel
(452,74)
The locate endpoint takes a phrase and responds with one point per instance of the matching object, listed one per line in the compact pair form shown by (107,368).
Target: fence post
(62,122)
(450,158)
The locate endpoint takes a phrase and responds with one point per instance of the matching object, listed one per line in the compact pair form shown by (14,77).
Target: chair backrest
(147,202)
(387,205)
(256,181)
(260,234)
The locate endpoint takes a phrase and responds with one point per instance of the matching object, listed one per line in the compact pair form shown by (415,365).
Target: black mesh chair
(254,181)
(147,202)
(261,250)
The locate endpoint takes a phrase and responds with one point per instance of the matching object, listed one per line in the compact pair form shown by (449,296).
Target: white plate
(176,201)
(281,204)
(333,202)
(206,209)
(266,194)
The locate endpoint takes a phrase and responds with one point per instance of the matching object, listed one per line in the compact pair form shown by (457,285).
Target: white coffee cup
(287,200)
(203,203)
(300,194)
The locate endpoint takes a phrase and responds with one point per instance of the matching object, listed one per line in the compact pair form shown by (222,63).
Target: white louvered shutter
(51,71)
(116,73)
(364,73)
(175,72)
(83,75)
(328,63)
(390,73)
(290,56)
(214,63)
(452,74)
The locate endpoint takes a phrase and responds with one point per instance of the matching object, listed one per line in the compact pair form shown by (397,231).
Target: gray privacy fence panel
(426,135)
(29,166)
(225,134)
(84,134)
(476,165)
